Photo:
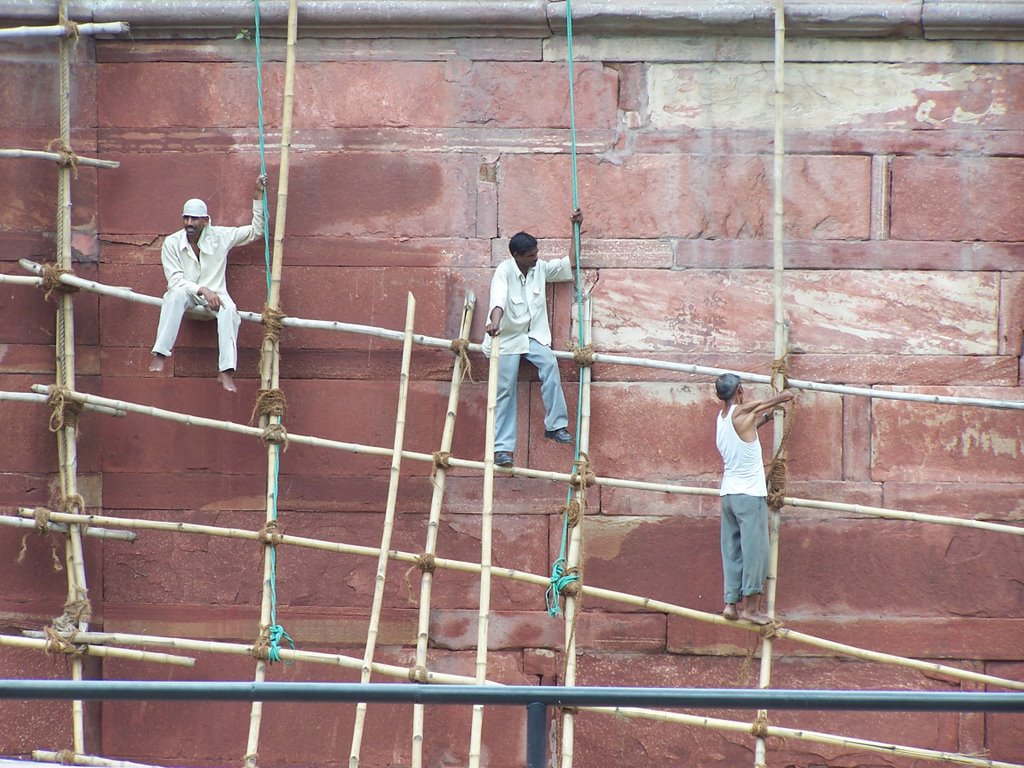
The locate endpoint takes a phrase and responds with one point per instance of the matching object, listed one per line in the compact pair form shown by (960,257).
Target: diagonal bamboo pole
(558,477)
(389,524)
(513,574)
(486,526)
(270,376)
(574,557)
(433,522)
(599,357)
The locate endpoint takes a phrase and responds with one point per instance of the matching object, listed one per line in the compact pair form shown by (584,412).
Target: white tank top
(744,472)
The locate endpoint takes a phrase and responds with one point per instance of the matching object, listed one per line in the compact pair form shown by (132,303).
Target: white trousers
(179,300)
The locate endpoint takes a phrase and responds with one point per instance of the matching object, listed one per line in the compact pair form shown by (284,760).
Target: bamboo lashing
(440,477)
(45,756)
(386,532)
(513,574)
(35,397)
(75,650)
(558,477)
(598,357)
(96,533)
(486,528)
(65,31)
(56,157)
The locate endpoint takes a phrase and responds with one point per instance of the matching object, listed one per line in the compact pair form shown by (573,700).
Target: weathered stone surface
(599,254)
(715,197)
(986,501)
(1011,315)
(821,97)
(30,724)
(919,442)
(866,313)
(963,198)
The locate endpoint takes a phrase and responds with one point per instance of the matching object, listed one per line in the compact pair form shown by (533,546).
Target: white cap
(195,207)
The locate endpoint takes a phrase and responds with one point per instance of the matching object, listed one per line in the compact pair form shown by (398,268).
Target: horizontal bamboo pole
(96,533)
(513,574)
(102,639)
(57,158)
(560,477)
(34,397)
(60,30)
(129,654)
(45,756)
(643,362)
(816,737)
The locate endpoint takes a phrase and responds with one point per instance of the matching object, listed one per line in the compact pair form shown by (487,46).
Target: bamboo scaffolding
(129,654)
(270,372)
(96,533)
(486,529)
(656,606)
(433,523)
(101,639)
(57,158)
(68,31)
(558,477)
(64,759)
(733,726)
(781,350)
(599,357)
(33,397)
(386,532)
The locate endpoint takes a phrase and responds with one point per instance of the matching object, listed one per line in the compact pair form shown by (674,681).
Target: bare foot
(730,612)
(755,617)
(226,381)
(158,363)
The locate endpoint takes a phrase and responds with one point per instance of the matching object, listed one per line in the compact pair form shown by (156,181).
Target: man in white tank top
(744,498)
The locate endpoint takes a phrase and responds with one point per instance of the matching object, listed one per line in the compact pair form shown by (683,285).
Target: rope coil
(270,534)
(268,645)
(442,460)
(759,728)
(65,410)
(269,402)
(582,356)
(582,476)
(426,562)
(461,349)
(418,674)
(777,472)
(68,158)
(575,512)
(275,434)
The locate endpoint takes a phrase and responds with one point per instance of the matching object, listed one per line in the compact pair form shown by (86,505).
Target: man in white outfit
(195,261)
(744,497)
(519,312)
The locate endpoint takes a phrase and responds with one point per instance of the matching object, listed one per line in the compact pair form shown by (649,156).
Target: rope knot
(759,727)
(270,534)
(582,476)
(275,434)
(41,515)
(574,511)
(418,674)
(582,356)
(442,460)
(461,349)
(65,410)
(68,158)
(66,757)
(269,402)
(426,562)
(777,472)
(52,282)
(771,629)
(572,584)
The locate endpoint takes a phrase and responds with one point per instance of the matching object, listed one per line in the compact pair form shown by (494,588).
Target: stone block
(840,312)
(32,725)
(715,197)
(31,90)
(962,198)
(920,442)
(999,502)
(603,253)
(904,369)
(1011,315)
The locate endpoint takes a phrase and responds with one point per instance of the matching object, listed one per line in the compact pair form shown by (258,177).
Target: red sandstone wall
(412,162)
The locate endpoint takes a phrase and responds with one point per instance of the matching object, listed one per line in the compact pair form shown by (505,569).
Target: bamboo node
(574,511)
(270,534)
(275,434)
(461,349)
(65,410)
(418,674)
(66,756)
(582,476)
(582,356)
(759,727)
(269,402)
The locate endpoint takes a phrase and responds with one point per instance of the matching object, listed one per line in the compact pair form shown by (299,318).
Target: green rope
(559,578)
(277,632)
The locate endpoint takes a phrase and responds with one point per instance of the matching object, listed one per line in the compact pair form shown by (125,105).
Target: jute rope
(575,512)
(270,534)
(269,402)
(442,460)
(276,434)
(777,472)
(41,516)
(273,322)
(52,282)
(261,648)
(582,476)
(426,563)
(759,727)
(582,356)
(68,158)
(72,502)
(66,757)
(461,349)
(65,410)
(418,674)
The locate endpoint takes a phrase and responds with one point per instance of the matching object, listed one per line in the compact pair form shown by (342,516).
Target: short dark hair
(521,242)
(726,386)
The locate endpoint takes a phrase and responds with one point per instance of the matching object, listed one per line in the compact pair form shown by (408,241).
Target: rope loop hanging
(460,347)
(52,282)
(65,410)
(41,515)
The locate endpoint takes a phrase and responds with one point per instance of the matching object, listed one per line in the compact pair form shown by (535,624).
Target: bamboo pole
(129,654)
(33,397)
(733,726)
(270,372)
(45,756)
(486,527)
(388,529)
(558,477)
(433,523)
(574,556)
(96,533)
(538,580)
(781,349)
(68,31)
(599,357)
(57,158)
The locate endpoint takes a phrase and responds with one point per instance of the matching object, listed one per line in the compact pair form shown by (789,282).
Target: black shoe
(503,458)
(560,435)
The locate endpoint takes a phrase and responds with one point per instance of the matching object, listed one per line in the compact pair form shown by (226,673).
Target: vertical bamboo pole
(486,521)
(781,344)
(270,363)
(389,525)
(433,522)
(574,557)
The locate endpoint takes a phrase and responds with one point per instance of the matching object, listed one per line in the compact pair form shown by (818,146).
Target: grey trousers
(744,545)
(556,415)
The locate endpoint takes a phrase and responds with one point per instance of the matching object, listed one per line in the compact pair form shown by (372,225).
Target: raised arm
(745,415)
